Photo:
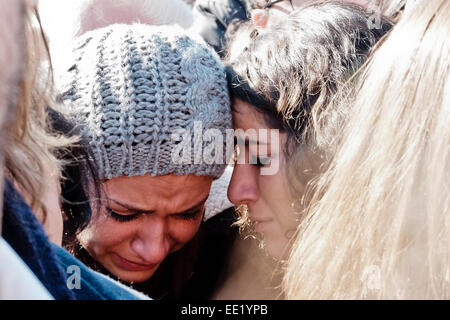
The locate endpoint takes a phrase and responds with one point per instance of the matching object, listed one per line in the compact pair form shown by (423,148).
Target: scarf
(25,235)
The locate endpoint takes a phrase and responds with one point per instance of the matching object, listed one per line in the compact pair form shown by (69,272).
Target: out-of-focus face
(143,220)
(11,64)
(12,34)
(11,52)
(11,29)
(278,11)
(268,197)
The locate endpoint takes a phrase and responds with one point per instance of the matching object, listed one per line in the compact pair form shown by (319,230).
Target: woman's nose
(151,242)
(243,188)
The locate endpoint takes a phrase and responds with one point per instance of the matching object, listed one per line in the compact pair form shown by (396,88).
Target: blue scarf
(25,235)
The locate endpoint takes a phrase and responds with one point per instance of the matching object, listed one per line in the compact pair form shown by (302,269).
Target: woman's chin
(276,248)
(134,276)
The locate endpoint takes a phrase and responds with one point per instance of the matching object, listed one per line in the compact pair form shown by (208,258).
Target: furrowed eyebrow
(130,207)
(193,208)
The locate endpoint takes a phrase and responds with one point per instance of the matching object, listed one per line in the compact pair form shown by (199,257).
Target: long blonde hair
(31,144)
(380,225)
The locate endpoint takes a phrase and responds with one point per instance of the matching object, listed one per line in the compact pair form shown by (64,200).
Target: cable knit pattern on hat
(132,86)
(218,200)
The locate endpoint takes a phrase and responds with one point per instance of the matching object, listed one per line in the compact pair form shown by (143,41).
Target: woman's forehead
(160,193)
(245,116)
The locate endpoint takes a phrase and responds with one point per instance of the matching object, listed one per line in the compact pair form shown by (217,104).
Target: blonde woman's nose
(243,188)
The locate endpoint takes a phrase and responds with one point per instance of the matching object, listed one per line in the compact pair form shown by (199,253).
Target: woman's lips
(132,266)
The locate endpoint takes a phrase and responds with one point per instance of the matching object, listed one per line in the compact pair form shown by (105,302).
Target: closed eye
(122,217)
(189,216)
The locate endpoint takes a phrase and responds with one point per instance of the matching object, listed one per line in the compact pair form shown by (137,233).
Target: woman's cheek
(103,233)
(182,231)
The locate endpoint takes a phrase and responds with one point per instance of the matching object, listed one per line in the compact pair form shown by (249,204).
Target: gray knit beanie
(131,87)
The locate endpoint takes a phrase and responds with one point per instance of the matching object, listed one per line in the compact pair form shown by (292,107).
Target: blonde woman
(381,229)
(31,176)
(30,162)
(16,279)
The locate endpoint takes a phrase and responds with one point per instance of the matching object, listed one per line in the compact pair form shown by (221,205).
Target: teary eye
(122,217)
(189,216)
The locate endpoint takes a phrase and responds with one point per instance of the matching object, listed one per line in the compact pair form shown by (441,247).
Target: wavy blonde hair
(380,226)
(31,144)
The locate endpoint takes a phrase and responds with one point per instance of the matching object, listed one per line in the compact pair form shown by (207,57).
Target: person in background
(382,210)
(30,162)
(31,212)
(212,18)
(216,20)
(16,280)
(11,60)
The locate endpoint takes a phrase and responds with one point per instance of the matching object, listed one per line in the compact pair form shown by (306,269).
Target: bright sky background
(58,20)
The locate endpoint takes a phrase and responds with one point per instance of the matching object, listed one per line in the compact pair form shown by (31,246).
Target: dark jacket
(212,17)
